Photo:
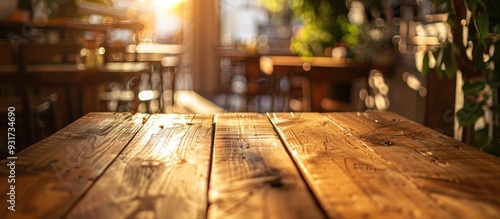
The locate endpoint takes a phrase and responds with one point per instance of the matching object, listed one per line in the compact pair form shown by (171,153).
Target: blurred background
(254,55)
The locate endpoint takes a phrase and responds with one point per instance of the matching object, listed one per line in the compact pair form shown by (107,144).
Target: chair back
(39,92)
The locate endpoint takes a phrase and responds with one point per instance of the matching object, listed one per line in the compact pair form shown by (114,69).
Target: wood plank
(252,176)
(461,179)
(52,174)
(349,180)
(163,173)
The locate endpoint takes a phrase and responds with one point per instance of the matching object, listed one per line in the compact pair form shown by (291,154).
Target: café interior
(61,59)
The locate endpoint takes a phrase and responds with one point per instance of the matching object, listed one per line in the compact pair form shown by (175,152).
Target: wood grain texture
(348,179)
(163,173)
(52,174)
(246,165)
(252,176)
(461,179)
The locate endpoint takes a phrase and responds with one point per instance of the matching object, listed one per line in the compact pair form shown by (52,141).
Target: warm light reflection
(422,91)
(306,66)
(376,34)
(162,19)
(101,50)
(148,95)
(339,52)
(169,61)
(166,5)
(413,82)
(295,105)
(363,93)
(174,24)
(379,100)
(356,13)
(238,87)
(369,102)
(183,97)
(421,40)
(266,65)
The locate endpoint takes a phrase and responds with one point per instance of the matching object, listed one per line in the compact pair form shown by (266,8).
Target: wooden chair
(35,113)
(42,61)
(120,94)
(159,85)
(106,90)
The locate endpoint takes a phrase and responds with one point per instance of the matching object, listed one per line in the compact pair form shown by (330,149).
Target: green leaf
(480,2)
(482,24)
(470,114)
(456,49)
(472,7)
(450,62)
(481,137)
(451,19)
(472,87)
(439,61)
(425,64)
(439,72)
(493,147)
(437,57)
(477,58)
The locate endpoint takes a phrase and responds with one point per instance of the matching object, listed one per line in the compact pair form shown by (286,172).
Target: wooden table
(227,165)
(320,72)
(71,73)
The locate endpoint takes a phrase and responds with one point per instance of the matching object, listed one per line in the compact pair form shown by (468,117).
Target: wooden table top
(69,74)
(73,68)
(320,68)
(312,61)
(247,165)
(73,23)
(110,67)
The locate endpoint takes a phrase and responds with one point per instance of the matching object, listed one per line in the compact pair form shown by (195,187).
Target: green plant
(361,27)
(474,50)
(323,24)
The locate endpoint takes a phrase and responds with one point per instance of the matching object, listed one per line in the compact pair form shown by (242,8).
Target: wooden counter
(246,165)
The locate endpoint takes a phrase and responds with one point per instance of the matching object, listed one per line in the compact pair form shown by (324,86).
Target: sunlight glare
(147,95)
(166,5)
